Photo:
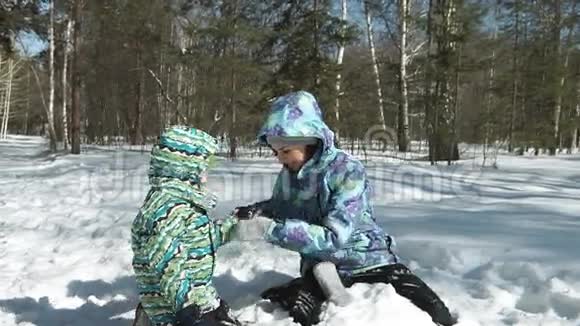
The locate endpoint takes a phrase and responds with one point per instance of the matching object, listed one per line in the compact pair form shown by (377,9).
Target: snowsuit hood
(182,153)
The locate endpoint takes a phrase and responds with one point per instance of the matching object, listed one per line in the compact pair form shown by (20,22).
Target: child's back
(173,239)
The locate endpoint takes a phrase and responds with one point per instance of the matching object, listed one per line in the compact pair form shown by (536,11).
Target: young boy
(321,206)
(174,240)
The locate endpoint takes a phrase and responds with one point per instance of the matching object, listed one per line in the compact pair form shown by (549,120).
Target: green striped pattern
(174,244)
(173,239)
(183,153)
(190,140)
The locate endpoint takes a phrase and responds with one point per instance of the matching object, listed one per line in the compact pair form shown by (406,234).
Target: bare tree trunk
(490,98)
(51,131)
(453,153)
(3,101)
(140,139)
(179,92)
(5,110)
(429,103)
(182,42)
(193,94)
(339,59)
(12,68)
(166,107)
(233,109)
(516,76)
(523,88)
(76,80)
(316,45)
(403,136)
(7,100)
(27,102)
(160,101)
(163,65)
(51,77)
(564,72)
(560,72)
(233,131)
(443,29)
(64,83)
(576,128)
(454,26)
(136,130)
(375,64)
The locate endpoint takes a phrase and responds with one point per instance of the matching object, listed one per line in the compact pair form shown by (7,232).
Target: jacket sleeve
(345,204)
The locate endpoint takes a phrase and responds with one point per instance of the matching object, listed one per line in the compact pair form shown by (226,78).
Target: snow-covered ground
(501,246)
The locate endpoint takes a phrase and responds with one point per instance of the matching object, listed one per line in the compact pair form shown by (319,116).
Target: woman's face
(293,157)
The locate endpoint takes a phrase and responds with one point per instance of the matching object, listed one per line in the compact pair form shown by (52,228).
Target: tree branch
(160,84)
(165,95)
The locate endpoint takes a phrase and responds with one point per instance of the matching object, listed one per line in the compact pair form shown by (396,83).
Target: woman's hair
(311,149)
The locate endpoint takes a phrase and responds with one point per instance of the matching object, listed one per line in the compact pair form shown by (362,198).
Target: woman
(321,208)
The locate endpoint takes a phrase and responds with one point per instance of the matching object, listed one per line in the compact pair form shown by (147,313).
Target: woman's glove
(246,212)
(251,211)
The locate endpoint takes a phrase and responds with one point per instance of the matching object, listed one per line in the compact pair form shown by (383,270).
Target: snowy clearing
(500,246)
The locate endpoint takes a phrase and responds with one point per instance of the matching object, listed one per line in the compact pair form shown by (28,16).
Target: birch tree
(557,31)
(6,79)
(51,120)
(443,35)
(339,59)
(3,95)
(66,50)
(563,66)
(515,74)
(403,123)
(76,79)
(576,124)
(490,97)
(371,44)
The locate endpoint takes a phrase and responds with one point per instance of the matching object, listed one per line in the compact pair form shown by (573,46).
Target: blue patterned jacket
(323,211)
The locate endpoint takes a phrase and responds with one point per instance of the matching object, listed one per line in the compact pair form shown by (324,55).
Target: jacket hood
(296,115)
